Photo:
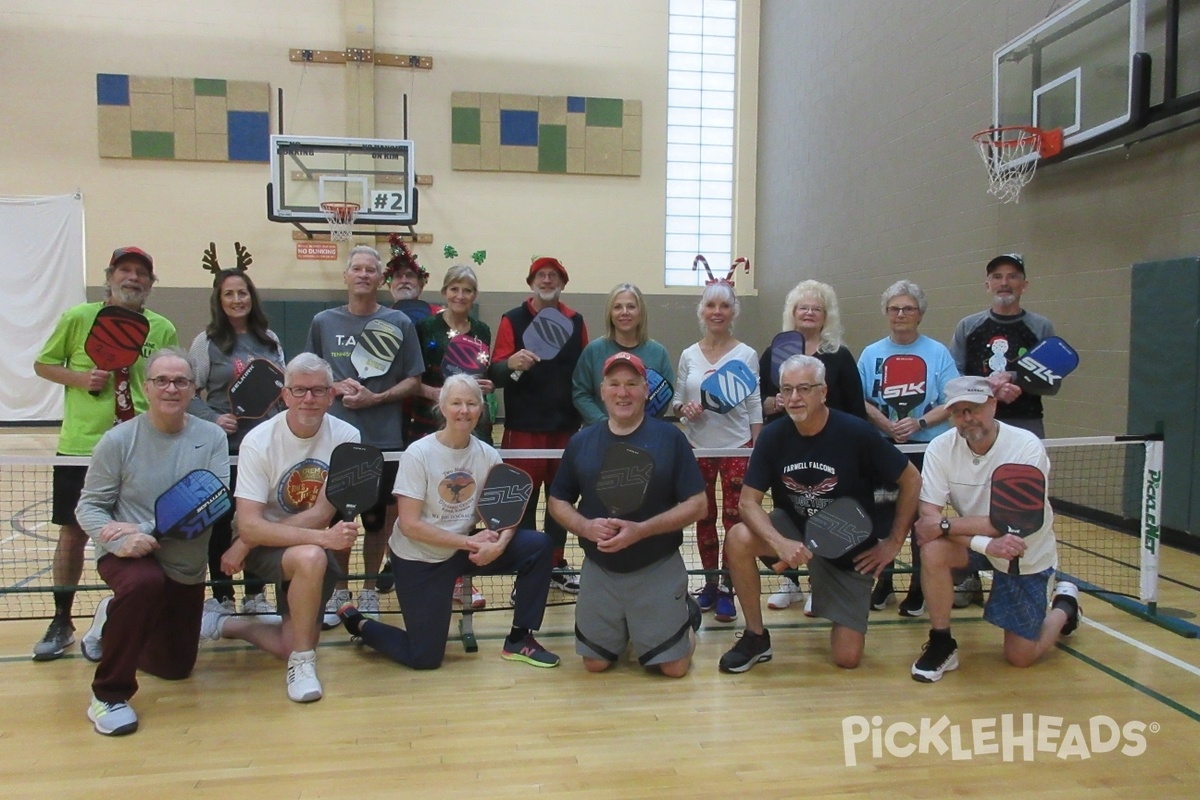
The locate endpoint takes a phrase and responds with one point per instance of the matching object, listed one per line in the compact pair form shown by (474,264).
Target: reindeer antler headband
(244,259)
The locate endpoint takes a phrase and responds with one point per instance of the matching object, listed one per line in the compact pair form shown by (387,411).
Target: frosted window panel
(685,61)
(683,207)
(683,241)
(683,43)
(687,170)
(687,134)
(692,25)
(715,208)
(683,152)
(710,135)
(717,190)
(715,244)
(721,155)
(685,116)
(683,225)
(717,81)
(713,172)
(683,188)
(716,26)
(718,63)
(716,45)
(686,98)
(716,100)
(720,8)
(692,7)
(681,79)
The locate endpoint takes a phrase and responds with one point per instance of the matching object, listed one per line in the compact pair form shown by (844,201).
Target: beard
(406,292)
(550,296)
(129,296)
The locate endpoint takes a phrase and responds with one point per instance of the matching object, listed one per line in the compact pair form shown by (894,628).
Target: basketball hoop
(1011,154)
(341,219)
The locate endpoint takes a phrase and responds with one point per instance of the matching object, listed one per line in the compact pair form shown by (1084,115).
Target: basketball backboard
(1079,70)
(377,174)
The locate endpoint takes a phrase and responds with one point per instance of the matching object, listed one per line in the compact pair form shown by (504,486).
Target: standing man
(538,407)
(371,404)
(282,516)
(807,461)
(904,379)
(153,618)
(636,585)
(991,342)
(958,471)
(86,417)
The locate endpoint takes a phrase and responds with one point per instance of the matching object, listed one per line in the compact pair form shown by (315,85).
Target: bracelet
(979,543)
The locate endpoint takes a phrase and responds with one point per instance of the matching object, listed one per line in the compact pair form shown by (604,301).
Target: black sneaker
(59,635)
(1068,594)
(939,656)
(385,582)
(750,649)
(883,595)
(913,605)
(695,614)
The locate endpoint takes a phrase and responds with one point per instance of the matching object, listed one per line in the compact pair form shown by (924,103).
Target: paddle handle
(516,374)
(1014,566)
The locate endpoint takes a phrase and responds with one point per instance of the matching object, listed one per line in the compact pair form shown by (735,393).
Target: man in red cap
(538,410)
(86,417)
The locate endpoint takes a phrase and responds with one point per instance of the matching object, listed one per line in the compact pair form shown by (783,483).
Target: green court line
(1130,682)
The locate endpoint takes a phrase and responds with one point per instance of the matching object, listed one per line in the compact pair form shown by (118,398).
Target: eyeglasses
(162,382)
(801,389)
(899,311)
(810,309)
(300,391)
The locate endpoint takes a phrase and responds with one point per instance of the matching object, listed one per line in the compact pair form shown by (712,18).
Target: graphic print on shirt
(809,485)
(301,485)
(457,488)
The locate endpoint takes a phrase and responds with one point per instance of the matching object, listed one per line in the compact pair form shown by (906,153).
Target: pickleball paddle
(116,338)
(504,497)
(191,506)
(376,348)
(835,530)
(727,386)
(546,335)
(903,383)
(1018,503)
(256,390)
(624,478)
(784,346)
(352,485)
(1041,370)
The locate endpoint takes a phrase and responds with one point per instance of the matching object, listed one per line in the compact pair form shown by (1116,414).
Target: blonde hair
(642,332)
(831,333)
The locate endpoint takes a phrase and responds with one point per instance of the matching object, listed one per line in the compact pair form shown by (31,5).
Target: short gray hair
(308,364)
(170,352)
(803,362)
(464,381)
(904,288)
(364,248)
(460,273)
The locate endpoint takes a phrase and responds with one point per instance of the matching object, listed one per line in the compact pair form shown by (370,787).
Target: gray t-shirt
(216,371)
(333,336)
(131,466)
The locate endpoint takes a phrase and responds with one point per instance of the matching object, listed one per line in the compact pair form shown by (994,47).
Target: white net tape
(341,219)
(1011,157)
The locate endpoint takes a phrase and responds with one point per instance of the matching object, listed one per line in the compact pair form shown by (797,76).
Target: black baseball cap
(1016,259)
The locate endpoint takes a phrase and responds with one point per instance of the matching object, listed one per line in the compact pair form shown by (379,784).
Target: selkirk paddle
(784,346)
(727,386)
(1041,370)
(1018,503)
(504,497)
(835,530)
(352,485)
(465,355)
(376,348)
(191,506)
(256,390)
(116,338)
(546,335)
(624,478)
(903,382)
(659,393)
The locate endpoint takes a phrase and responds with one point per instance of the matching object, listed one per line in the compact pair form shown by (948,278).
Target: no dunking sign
(317,251)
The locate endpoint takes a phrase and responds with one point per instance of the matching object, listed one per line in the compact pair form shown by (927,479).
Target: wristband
(979,543)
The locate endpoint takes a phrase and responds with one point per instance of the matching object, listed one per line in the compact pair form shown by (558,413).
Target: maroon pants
(731,470)
(153,624)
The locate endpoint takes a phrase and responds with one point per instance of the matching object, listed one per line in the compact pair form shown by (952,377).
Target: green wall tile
(552,148)
(210,87)
(153,144)
(464,126)
(604,112)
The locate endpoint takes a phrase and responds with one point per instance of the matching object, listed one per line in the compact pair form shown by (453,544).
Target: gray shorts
(841,596)
(267,564)
(646,609)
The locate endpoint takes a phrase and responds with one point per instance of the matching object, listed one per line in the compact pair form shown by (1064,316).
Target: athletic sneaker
(90,643)
(706,596)
(339,598)
(789,592)
(883,595)
(258,605)
(212,619)
(368,604)
(565,583)
(1068,592)
(477,598)
(302,683)
(725,610)
(913,605)
(112,719)
(750,649)
(939,656)
(969,591)
(385,582)
(808,612)
(59,636)
(528,651)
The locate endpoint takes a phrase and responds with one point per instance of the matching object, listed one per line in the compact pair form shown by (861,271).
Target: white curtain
(42,274)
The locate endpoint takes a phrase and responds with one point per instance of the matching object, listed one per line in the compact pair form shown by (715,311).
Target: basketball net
(1011,156)
(341,218)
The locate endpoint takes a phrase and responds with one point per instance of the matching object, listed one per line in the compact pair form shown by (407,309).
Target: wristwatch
(921,423)
(944,525)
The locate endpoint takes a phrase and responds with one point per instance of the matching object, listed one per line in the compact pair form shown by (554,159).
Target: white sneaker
(368,604)
(258,605)
(477,598)
(808,612)
(788,593)
(302,683)
(112,719)
(212,619)
(340,598)
(90,644)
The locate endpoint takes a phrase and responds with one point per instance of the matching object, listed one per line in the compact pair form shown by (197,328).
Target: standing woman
(627,329)
(812,309)
(460,288)
(718,308)
(237,333)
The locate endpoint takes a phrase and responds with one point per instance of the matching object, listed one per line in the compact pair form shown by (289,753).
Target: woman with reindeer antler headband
(719,425)
(237,333)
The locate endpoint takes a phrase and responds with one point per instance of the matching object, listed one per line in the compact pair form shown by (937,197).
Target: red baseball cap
(543,263)
(136,253)
(616,359)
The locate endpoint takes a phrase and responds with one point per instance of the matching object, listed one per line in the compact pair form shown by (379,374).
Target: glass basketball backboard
(376,174)
(1073,71)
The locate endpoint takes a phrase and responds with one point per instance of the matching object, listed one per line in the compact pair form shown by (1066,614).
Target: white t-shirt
(953,474)
(711,429)
(284,472)
(448,481)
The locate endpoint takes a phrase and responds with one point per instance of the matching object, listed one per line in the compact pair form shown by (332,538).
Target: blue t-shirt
(847,458)
(676,477)
(939,369)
